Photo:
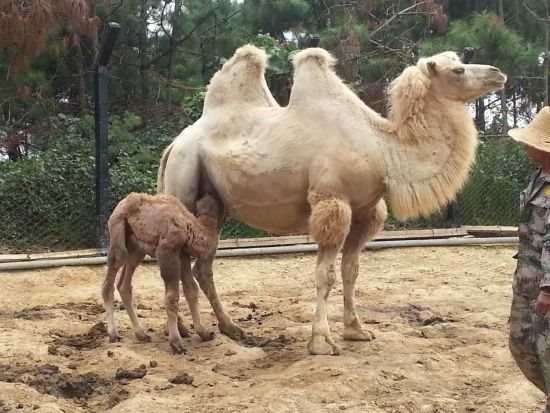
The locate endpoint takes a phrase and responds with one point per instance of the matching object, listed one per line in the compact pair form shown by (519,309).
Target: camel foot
(206,336)
(115,338)
(321,345)
(358,335)
(184,331)
(143,336)
(232,331)
(177,347)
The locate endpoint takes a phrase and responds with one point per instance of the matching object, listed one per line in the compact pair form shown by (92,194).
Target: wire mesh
(39,216)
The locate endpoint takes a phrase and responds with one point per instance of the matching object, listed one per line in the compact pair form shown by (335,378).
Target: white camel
(323,163)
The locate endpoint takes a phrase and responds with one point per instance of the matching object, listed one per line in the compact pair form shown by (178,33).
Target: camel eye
(459,70)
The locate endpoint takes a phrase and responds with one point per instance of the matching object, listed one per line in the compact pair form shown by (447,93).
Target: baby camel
(161,227)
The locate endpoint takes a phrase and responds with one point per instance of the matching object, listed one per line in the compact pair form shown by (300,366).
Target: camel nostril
(494,69)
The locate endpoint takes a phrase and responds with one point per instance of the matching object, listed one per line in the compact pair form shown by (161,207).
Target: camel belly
(267,198)
(277,219)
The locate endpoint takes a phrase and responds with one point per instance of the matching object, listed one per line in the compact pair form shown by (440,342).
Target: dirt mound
(48,379)
(93,338)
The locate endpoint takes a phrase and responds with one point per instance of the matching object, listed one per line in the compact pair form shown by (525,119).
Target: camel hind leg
(328,225)
(364,227)
(124,287)
(115,260)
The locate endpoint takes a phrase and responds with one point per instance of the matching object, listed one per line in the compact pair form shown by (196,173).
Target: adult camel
(323,163)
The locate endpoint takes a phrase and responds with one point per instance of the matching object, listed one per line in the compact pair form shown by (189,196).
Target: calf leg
(114,261)
(125,290)
(191,290)
(169,262)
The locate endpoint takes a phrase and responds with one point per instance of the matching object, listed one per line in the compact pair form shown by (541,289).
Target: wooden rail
(478,231)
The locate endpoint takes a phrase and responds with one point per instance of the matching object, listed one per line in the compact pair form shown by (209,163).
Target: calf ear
(432,67)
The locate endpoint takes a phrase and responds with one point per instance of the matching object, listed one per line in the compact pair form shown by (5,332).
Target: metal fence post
(101,108)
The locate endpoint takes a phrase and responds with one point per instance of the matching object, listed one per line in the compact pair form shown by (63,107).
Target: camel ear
(432,67)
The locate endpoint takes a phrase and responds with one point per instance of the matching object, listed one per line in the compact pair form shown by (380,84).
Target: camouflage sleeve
(545,260)
(541,219)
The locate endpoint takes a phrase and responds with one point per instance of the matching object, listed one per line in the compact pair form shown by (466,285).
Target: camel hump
(255,57)
(240,81)
(314,55)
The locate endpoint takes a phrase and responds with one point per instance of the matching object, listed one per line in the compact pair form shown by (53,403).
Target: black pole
(101,100)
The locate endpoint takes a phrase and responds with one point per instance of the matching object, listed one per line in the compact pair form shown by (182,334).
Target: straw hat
(537,133)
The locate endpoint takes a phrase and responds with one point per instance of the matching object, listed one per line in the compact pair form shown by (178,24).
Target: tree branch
(179,42)
(387,22)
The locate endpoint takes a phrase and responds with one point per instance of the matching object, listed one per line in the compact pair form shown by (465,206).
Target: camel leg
(329,225)
(202,271)
(364,227)
(191,290)
(321,342)
(108,293)
(169,263)
(124,286)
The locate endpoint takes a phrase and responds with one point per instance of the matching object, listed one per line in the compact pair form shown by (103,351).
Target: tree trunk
(480,114)
(80,63)
(143,59)
(174,36)
(515,106)
(503,101)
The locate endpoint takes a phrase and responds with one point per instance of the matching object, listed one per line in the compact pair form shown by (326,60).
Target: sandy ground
(440,316)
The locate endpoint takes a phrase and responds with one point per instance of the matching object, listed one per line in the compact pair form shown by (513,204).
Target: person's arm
(543,301)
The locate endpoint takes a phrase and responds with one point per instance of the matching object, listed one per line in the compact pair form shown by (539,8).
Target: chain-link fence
(40,214)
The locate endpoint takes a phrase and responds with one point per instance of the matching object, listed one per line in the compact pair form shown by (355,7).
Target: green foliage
(51,192)
(47,200)
(279,58)
(275,16)
(491,195)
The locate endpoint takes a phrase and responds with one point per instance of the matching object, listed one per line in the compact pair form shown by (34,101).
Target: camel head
(207,206)
(457,81)
(439,78)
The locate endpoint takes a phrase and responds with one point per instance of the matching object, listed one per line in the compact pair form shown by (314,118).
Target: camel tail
(162,168)
(314,55)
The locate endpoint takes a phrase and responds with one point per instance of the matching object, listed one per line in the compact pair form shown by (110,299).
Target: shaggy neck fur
(426,171)
(431,141)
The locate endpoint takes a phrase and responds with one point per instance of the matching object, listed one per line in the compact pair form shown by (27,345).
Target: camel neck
(425,175)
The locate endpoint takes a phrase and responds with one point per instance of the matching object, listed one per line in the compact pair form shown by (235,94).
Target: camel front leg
(329,225)
(169,263)
(202,271)
(321,342)
(364,227)
(191,290)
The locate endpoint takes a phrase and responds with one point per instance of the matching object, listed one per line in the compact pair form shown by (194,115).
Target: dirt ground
(440,316)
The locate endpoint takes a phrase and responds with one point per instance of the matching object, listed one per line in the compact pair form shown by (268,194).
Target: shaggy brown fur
(161,227)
